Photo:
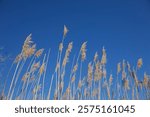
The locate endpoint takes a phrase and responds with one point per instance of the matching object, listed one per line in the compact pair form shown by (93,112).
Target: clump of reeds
(30,69)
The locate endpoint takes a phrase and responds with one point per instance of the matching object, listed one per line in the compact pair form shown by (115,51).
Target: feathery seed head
(66,58)
(18,58)
(118,68)
(75,68)
(73,79)
(42,68)
(90,74)
(24,78)
(126,84)
(123,75)
(146,79)
(139,63)
(60,47)
(104,57)
(83,51)
(39,52)
(65,31)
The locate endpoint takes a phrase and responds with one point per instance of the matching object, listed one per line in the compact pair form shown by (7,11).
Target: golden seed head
(28,49)
(65,31)
(83,51)
(104,56)
(24,78)
(39,52)
(126,84)
(90,74)
(75,68)
(18,58)
(36,65)
(36,89)
(60,47)
(68,90)
(70,47)
(66,58)
(123,75)
(118,68)
(98,72)
(73,79)
(42,68)
(139,63)
(146,79)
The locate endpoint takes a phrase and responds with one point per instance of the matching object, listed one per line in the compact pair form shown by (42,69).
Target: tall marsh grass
(28,76)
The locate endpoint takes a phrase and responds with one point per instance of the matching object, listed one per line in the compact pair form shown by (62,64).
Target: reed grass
(31,66)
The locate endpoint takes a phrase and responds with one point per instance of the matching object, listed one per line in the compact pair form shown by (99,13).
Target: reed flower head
(104,57)
(60,47)
(66,58)
(73,78)
(25,77)
(146,79)
(68,90)
(36,89)
(18,58)
(139,63)
(39,52)
(75,68)
(35,66)
(42,68)
(28,49)
(123,75)
(65,31)
(118,68)
(98,71)
(83,51)
(90,74)
(126,84)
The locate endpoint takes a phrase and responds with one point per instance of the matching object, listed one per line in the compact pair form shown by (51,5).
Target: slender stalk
(45,74)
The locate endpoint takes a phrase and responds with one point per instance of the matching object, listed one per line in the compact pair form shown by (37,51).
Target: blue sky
(122,26)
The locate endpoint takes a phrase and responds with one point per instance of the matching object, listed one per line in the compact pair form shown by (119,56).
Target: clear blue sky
(122,26)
